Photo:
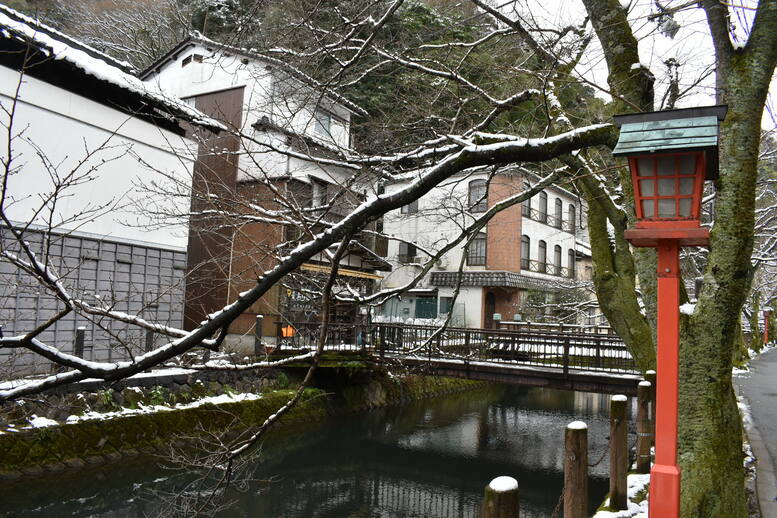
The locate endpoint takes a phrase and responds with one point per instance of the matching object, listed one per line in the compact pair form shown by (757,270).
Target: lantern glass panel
(666,187)
(685,208)
(647,187)
(686,186)
(645,167)
(667,208)
(647,209)
(687,164)
(666,166)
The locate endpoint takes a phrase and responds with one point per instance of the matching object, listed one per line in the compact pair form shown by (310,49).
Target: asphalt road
(759,388)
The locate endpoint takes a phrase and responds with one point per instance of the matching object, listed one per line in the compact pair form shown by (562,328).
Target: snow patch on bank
(638,485)
(41,422)
(149,409)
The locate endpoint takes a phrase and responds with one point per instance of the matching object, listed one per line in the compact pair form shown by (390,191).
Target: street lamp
(671,154)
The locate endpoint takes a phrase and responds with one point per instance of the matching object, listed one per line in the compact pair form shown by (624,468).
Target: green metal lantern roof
(671,130)
(688,129)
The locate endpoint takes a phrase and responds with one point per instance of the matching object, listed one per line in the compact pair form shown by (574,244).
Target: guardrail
(569,349)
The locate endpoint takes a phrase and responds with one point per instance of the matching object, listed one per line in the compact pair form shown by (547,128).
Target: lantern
(670,155)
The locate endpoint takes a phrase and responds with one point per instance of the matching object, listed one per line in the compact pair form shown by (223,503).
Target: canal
(430,458)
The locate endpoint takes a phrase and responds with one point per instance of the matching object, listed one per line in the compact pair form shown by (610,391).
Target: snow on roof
(59,46)
(197,38)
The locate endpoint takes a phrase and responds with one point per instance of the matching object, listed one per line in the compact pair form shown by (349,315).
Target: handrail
(567,348)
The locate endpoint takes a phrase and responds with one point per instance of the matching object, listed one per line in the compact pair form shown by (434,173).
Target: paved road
(759,388)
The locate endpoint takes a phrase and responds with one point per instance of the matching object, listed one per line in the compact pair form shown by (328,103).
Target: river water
(426,459)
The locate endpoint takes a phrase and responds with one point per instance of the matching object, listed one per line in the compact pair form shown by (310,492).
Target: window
(572,218)
(559,213)
(410,208)
(557,260)
(542,256)
(525,249)
(543,216)
(667,185)
(477,251)
(318,195)
(323,122)
(197,58)
(526,205)
(478,196)
(407,253)
(571,263)
(446,305)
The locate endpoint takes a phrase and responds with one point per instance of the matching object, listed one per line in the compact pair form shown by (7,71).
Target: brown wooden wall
(210,237)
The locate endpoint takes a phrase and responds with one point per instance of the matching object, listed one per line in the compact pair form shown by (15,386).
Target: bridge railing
(570,349)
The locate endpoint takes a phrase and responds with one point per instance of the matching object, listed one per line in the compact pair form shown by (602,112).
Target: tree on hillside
(505,92)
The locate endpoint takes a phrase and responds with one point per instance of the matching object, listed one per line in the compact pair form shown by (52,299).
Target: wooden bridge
(570,358)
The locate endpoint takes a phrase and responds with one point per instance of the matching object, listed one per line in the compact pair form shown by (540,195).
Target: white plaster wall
(268,92)
(439,220)
(57,133)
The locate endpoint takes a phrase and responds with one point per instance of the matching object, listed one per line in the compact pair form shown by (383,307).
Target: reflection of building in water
(375,496)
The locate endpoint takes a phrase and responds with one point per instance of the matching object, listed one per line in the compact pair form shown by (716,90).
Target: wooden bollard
(149,340)
(644,435)
(651,377)
(259,349)
(576,470)
(619,453)
(78,347)
(501,499)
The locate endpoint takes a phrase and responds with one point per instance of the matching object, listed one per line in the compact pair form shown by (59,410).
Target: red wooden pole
(665,474)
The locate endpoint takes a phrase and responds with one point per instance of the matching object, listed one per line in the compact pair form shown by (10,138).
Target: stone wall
(134,423)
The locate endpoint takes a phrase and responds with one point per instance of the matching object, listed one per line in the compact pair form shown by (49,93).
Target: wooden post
(501,499)
(576,470)
(619,453)
(644,435)
(258,347)
(78,348)
(149,339)
(651,377)
(598,353)
(566,357)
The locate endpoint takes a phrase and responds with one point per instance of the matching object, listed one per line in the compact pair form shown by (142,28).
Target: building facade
(83,140)
(518,266)
(257,192)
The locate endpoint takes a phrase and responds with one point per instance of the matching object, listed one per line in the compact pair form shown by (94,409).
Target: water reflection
(427,459)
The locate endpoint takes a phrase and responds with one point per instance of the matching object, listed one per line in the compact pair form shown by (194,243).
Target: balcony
(549,219)
(493,278)
(547,268)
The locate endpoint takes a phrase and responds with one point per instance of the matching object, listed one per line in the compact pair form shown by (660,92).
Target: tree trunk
(711,428)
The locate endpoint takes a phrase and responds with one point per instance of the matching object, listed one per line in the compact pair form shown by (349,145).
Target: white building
(539,247)
(87,141)
(282,117)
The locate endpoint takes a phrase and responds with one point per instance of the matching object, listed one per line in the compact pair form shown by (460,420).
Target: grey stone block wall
(135,278)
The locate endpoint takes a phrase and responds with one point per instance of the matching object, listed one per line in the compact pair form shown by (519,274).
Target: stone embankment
(72,430)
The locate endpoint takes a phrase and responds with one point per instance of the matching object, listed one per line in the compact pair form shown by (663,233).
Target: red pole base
(664,491)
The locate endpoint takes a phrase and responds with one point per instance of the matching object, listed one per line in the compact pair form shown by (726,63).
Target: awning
(340,271)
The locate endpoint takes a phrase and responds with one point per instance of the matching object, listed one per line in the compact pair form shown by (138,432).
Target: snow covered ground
(638,502)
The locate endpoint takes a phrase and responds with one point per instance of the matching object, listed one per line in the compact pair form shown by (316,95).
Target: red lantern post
(670,155)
